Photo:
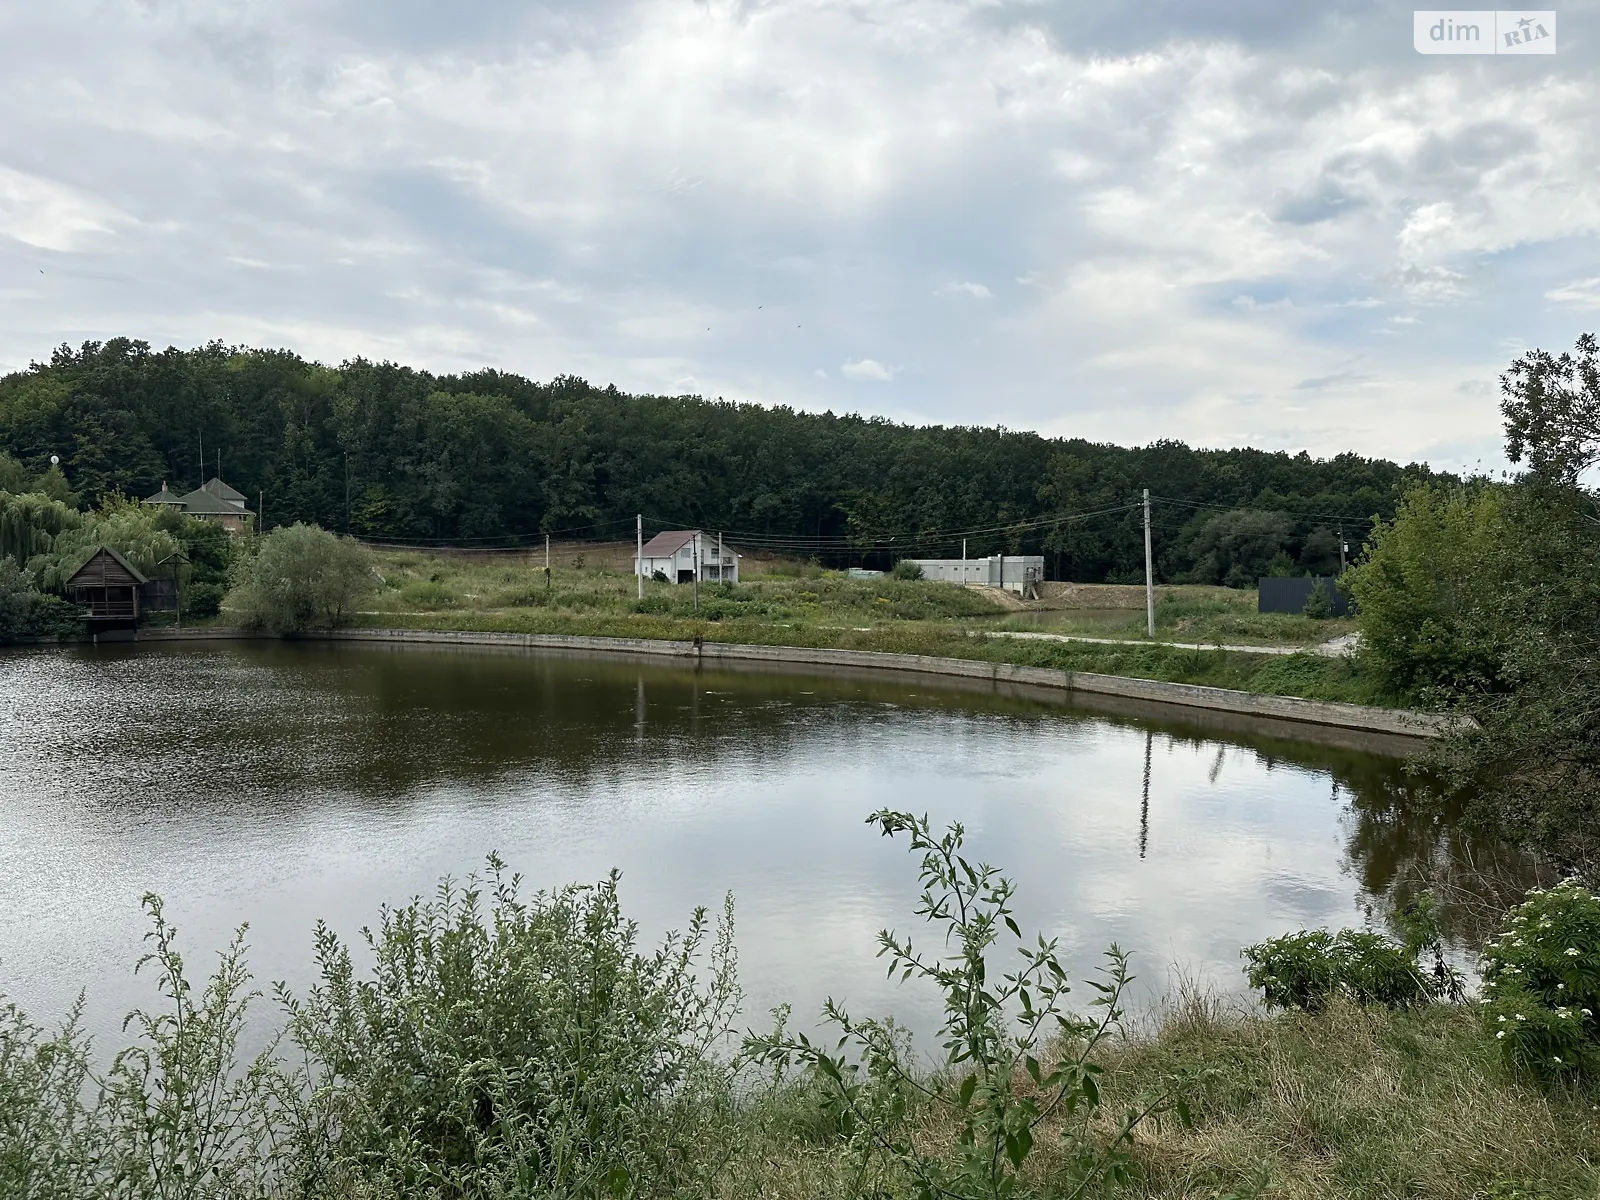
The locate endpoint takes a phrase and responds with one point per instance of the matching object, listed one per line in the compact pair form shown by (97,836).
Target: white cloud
(976,290)
(49,215)
(866,368)
(1580,293)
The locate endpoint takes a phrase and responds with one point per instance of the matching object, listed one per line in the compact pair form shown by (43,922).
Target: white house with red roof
(676,554)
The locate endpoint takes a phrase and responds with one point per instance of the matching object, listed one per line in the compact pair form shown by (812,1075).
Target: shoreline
(1417,726)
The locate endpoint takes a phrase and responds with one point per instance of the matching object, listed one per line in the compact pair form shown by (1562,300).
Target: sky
(1247,223)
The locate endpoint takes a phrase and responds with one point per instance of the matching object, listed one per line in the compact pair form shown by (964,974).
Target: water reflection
(277,784)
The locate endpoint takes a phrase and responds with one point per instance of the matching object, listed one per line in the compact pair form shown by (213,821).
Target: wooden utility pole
(719,556)
(1343,547)
(694,542)
(547,562)
(638,556)
(1149,573)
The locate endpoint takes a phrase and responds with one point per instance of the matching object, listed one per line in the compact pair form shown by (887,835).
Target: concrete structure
(1020,573)
(211,501)
(675,553)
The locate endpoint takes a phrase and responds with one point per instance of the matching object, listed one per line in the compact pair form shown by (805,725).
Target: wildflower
(1501,1034)
(1586,1012)
(1501,1018)
(1520,1017)
(1557,1057)
(1572,952)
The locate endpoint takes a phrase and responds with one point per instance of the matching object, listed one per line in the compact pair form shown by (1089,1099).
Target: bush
(202,600)
(526,1049)
(1541,982)
(1307,969)
(303,577)
(906,569)
(26,614)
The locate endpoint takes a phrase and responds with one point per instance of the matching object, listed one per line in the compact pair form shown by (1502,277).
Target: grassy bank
(508,1045)
(1353,1102)
(800,606)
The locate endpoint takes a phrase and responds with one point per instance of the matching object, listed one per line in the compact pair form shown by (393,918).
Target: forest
(390,453)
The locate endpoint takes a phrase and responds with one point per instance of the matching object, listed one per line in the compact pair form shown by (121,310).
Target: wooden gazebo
(108,586)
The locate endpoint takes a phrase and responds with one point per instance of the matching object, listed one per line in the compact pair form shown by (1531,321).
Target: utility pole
(963,561)
(1343,547)
(1149,573)
(695,555)
(638,556)
(547,562)
(719,555)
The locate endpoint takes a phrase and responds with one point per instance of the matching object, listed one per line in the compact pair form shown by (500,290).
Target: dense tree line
(388,452)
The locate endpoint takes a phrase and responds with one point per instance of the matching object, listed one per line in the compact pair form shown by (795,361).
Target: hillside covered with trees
(387,452)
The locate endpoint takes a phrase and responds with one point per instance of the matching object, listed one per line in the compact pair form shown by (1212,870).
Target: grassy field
(1354,1102)
(797,604)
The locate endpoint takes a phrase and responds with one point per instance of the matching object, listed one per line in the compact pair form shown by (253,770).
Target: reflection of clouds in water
(282,784)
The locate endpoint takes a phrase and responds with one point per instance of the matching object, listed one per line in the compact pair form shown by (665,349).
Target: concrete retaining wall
(1281,708)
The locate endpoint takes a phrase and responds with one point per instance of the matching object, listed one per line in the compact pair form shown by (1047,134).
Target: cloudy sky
(1253,222)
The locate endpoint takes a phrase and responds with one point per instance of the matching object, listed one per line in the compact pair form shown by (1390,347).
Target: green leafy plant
(1305,970)
(521,1047)
(906,569)
(1541,982)
(1014,1056)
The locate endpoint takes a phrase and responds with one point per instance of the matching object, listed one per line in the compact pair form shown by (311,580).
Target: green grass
(1207,615)
(1357,1102)
(828,610)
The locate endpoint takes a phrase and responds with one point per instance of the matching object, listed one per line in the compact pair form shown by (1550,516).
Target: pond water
(276,784)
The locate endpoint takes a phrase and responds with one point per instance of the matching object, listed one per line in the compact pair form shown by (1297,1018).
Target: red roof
(668,542)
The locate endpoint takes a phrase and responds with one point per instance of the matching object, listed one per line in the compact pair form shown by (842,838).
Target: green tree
(1237,548)
(1421,590)
(302,577)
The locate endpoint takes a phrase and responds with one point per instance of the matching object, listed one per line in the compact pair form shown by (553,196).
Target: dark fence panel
(1289,595)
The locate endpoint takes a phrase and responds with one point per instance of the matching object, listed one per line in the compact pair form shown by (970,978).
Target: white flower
(1557,1057)
(1501,1034)
(1501,1019)
(1572,952)
(1520,1017)
(1561,987)
(1586,1012)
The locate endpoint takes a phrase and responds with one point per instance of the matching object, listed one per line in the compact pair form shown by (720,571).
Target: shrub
(1541,982)
(202,600)
(1305,970)
(26,614)
(906,569)
(529,1049)
(1014,1055)
(302,577)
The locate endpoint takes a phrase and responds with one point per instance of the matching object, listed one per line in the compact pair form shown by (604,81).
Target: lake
(278,783)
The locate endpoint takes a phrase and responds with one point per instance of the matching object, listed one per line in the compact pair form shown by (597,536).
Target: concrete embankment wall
(1393,722)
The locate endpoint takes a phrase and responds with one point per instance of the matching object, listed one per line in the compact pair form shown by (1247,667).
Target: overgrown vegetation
(504,1045)
(1487,600)
(301,577)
